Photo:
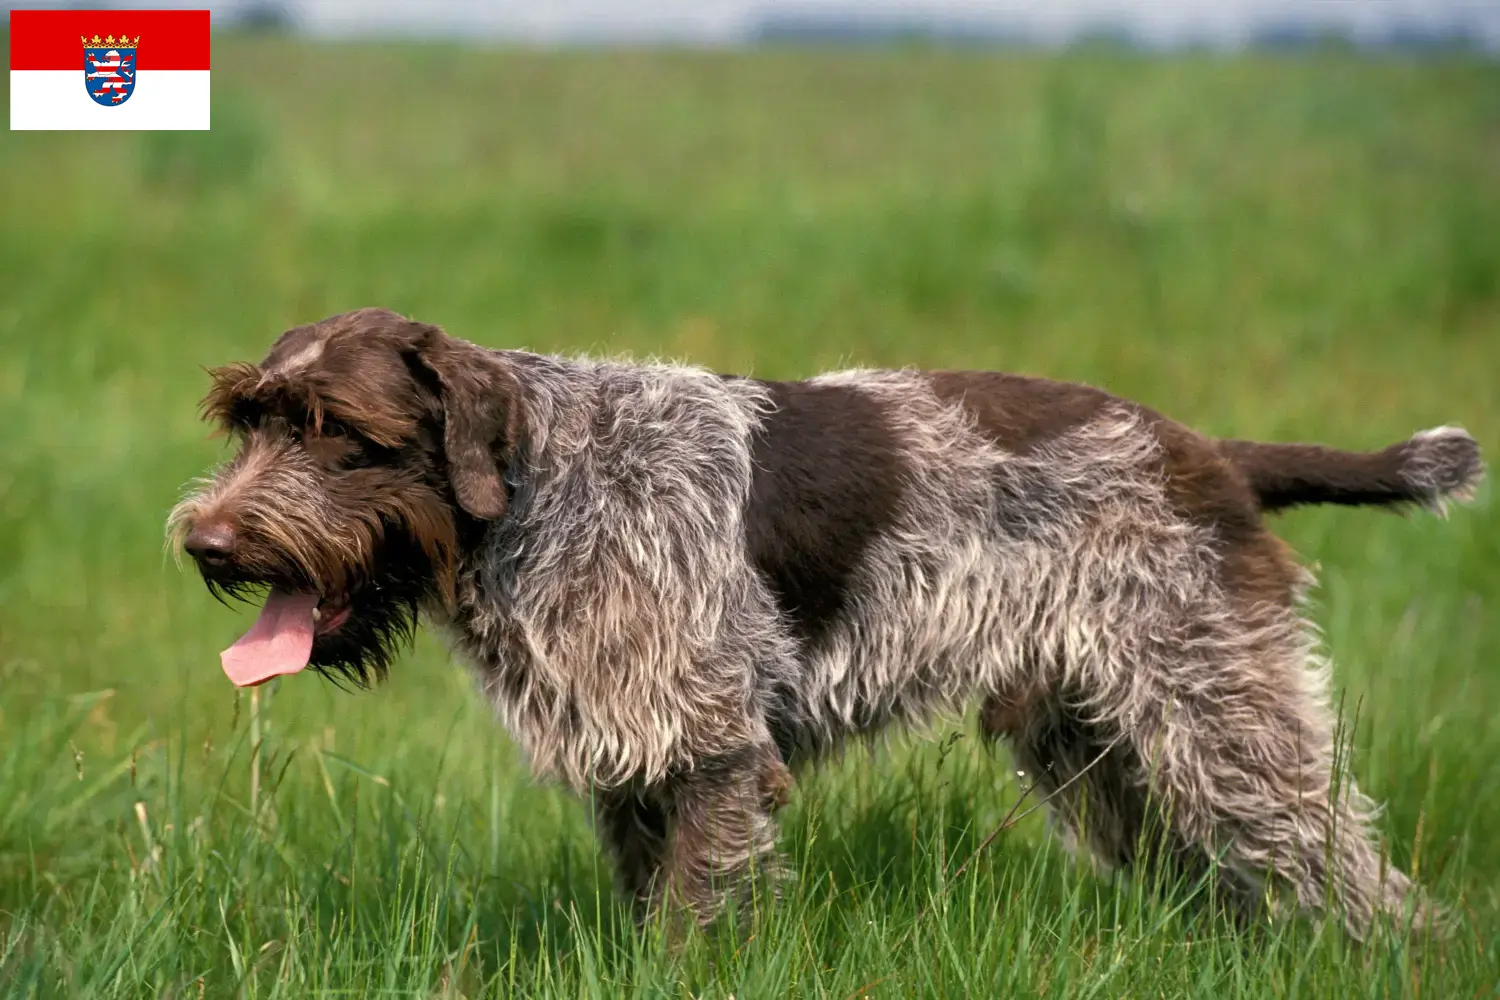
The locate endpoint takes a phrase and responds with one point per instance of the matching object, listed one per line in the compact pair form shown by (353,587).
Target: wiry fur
(319,501)
(1063,585)
(614,615)
(674,585)
(1439,464)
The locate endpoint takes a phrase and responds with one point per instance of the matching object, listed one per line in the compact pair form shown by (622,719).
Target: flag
(109,69)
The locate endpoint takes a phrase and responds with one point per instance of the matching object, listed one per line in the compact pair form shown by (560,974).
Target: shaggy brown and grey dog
(675,585)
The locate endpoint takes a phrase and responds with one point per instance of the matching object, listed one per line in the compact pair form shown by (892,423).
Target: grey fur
(614,616)
(625,639)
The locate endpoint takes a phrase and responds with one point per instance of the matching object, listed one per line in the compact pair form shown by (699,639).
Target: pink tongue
(280,641)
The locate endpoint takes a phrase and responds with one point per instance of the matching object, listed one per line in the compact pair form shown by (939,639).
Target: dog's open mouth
(281,640)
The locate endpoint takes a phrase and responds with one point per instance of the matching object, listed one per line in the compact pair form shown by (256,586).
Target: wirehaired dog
(675,585)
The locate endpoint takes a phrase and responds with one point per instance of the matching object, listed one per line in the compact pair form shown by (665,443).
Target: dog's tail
(1426,469)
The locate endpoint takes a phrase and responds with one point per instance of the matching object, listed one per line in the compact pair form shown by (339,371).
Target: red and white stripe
(112,74)
(170,70)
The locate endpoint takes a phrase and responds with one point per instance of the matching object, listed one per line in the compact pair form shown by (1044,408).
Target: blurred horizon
(1411,26)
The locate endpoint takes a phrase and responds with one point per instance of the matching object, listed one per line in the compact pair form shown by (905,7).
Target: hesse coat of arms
(109,68)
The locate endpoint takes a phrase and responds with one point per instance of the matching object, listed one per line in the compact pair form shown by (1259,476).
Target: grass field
(1276,249)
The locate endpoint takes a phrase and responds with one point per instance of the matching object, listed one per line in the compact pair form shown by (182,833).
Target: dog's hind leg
(1239,752)
(1094,810)
(1097,794)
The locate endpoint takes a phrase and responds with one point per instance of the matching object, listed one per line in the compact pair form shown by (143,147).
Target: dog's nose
(211,543)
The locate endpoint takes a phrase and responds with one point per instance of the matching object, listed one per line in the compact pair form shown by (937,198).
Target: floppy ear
(482,418)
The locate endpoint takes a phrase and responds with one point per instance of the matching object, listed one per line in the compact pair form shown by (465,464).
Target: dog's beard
(348,631)
(382,621)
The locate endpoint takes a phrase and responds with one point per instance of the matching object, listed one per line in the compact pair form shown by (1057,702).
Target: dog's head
(370,446)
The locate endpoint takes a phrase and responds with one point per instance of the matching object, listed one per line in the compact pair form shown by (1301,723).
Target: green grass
(1277,249)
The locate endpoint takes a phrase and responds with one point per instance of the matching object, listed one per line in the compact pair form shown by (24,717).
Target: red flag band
(49,39)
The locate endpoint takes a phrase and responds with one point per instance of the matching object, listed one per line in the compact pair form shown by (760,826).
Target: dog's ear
(482,418)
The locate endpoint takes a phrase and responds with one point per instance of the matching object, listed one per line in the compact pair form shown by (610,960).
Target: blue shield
(109,74)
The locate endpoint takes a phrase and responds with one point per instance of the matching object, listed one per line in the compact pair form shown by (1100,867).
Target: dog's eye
(331,427)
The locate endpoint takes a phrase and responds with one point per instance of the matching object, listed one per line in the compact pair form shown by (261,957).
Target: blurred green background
(1279,248)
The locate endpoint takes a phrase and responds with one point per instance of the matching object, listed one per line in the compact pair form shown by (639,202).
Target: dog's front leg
(721,830)
(632,824)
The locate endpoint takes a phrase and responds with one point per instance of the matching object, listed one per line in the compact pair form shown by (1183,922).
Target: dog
(676,587)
